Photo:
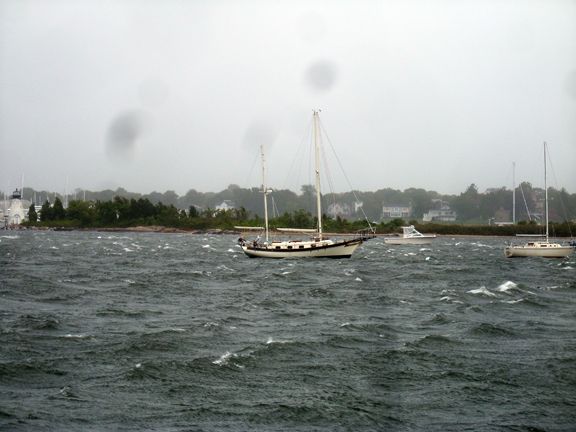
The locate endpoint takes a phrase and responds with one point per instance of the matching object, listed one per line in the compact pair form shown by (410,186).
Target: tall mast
(514,193)
(317,175)
(546,188)
(264,191)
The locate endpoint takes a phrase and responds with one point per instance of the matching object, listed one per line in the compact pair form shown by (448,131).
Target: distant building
(391,211)
(16,213)
(339,209)
(502,217)
(226,205)
(440,212)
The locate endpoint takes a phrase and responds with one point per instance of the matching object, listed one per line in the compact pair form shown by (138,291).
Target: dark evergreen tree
(59,211)
(32,215)
(46,212)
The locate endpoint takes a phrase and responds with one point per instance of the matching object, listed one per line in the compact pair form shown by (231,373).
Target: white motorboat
(318,245)
(410,236)
(545,249)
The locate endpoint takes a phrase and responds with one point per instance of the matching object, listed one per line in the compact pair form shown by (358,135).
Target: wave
(482,291)
(491,329)
(507,286)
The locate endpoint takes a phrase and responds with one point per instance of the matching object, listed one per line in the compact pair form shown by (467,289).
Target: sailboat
(544,249)
(318,245)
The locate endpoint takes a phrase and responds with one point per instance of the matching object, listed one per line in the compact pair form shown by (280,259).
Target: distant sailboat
(546,248)
(318,246)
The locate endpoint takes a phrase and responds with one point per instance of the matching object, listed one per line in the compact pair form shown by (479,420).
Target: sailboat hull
(538,249)
(335,250)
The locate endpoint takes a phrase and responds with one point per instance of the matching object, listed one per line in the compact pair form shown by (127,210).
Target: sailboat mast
(317,175)
(546,189)
(264,191)
(514,193)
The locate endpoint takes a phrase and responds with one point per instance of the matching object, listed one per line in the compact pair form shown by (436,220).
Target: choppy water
(171,332)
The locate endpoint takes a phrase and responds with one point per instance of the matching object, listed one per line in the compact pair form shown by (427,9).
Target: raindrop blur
(124,131)
(321,75)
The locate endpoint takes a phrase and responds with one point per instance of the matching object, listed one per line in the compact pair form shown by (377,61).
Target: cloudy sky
(177,95)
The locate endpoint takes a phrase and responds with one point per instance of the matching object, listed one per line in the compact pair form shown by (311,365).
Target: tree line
(471,206)
(121,212)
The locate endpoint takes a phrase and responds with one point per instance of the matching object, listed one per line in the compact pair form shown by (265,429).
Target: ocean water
(104,331)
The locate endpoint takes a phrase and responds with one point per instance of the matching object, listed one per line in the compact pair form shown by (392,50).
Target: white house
(226,205)
(442,212)
(338,209)
(396,211)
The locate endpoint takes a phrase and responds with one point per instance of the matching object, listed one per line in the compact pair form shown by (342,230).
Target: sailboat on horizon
(318,245)
(545,248)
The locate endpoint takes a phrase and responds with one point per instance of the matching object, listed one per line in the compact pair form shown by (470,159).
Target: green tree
(466,205)
(59,211)
(420,199)
(32,215)
(81,211)
(493,201)
(46,212)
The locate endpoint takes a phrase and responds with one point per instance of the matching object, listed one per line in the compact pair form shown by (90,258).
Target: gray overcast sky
(177,95)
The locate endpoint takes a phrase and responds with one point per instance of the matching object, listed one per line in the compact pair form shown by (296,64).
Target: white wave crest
(272,341)
(507,286)
(225,359)
(482,291)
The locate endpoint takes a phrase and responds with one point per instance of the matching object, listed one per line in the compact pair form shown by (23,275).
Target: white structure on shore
(16,212)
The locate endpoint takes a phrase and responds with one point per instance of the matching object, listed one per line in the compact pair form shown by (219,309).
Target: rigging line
(326,169)
(525,203)
(559,192)
(328,177)
(345,176)
(299,154)
(251,169)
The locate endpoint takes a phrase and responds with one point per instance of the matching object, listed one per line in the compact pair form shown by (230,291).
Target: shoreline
(217,231)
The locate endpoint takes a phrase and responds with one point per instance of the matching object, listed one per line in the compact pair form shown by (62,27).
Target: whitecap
(230,250)
(506,286)
(514,301)
(223,267)
(225,359)
(346,324)
(206,246)
(427,258)
(358,279)
(272,341)
(483,291)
